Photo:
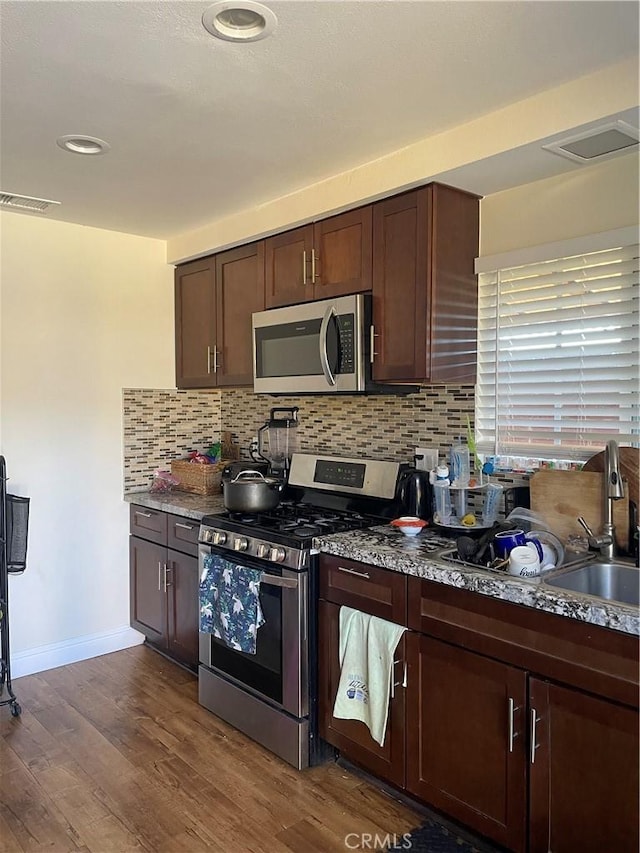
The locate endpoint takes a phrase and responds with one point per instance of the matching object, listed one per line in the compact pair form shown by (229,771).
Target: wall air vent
(13,201)
(596,144)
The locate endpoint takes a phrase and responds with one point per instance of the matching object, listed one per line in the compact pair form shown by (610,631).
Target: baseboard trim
(72,651)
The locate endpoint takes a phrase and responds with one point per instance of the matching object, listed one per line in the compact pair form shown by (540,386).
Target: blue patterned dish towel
(230,603)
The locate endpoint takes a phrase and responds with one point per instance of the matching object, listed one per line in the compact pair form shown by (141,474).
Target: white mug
(524,562)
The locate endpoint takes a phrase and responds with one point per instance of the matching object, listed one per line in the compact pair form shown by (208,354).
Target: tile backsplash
(380,427)
(161,425)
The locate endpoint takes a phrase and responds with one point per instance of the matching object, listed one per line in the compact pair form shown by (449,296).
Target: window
(558,356)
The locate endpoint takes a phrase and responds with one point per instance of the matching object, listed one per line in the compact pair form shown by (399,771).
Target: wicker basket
(196,478)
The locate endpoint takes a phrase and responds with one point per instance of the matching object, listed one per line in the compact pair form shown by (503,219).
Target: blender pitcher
(277,439)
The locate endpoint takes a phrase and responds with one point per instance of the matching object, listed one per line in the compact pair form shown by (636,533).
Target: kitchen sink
(613,580)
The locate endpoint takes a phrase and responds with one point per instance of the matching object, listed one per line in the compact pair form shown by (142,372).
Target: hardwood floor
(114,754)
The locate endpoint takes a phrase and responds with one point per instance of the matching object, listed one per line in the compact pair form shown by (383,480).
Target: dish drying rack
(14,518)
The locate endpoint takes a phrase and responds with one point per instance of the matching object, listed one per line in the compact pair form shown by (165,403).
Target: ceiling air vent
(25,202)
(599,143)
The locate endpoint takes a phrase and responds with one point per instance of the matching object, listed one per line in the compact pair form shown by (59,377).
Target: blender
(277,440)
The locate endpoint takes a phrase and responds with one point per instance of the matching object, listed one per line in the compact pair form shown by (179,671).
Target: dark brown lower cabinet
(148,601)
(164,586)
(519,724)
(583,772)
(351,736)
(465,727)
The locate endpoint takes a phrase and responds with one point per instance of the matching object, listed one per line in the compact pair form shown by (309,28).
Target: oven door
(278,671)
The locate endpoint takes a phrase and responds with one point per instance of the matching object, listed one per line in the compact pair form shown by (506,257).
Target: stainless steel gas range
(272,695)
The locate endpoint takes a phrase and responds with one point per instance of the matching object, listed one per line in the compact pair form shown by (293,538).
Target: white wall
(84,313)
(601,197)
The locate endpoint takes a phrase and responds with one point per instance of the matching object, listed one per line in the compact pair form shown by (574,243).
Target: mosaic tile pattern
(161,425)
(381,427)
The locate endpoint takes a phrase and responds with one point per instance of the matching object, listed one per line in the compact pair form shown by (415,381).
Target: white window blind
(558,359)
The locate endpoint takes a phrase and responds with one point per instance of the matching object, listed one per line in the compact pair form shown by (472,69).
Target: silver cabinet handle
(184,526)
(216,359)
(314,258)
(324,358)
(208,359)
(365,575)
(166,582)
(534,719)
(394,683)
(304,266)
(159,576)
(512,733)
(143,514)
(372,343)
(276,580)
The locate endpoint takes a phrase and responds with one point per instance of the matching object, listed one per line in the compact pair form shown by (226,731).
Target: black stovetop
(293,523)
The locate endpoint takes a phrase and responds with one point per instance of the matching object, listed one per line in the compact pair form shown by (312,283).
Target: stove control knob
(240,543)
(219,537)
(262,551)
(207,535)
(277,555)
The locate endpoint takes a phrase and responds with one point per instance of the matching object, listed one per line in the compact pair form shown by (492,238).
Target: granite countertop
(388,548)
(179,503)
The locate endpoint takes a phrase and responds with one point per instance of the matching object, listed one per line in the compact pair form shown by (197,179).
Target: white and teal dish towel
(230,603)
(367,647)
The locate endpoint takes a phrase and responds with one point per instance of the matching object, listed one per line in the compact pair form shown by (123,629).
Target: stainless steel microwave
(314,347)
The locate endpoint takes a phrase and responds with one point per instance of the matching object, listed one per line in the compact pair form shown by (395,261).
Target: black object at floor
(434,837)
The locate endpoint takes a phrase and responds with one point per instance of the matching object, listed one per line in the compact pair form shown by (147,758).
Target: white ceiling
(201,128)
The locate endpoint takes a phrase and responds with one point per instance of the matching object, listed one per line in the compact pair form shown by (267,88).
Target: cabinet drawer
(182,534)
(150,524)
(380,592)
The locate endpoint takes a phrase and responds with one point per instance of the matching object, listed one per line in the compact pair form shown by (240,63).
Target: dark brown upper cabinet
(319,261)
(214,300)
(425,294)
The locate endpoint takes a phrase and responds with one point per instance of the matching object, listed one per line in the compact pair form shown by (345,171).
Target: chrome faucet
(613,491)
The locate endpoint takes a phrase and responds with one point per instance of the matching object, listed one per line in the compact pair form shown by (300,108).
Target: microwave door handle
(324,357)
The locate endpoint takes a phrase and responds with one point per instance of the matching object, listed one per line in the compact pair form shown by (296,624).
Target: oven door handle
(276,580)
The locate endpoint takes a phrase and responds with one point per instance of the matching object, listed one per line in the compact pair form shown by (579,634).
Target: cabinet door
(425,291)
(583,772)
(183,607)
(400,296)
(288,267)
(148,611)
(239,292)
(465,730)
(352,737)
(195,324)
(342,254)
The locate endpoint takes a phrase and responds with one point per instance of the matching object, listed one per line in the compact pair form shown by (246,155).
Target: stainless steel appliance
(271,695)
(314,347)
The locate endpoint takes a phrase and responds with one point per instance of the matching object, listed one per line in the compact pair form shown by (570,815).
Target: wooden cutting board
(559,497)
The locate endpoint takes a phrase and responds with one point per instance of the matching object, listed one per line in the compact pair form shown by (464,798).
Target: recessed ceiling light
(83,144)
(239,20)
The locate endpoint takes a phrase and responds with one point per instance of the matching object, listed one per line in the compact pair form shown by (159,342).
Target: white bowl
(410,525)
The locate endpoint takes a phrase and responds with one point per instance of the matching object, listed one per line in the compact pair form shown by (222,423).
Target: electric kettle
(415,494)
